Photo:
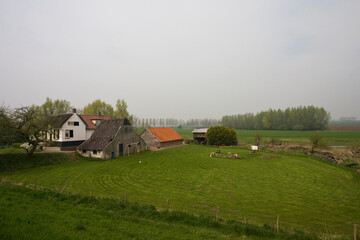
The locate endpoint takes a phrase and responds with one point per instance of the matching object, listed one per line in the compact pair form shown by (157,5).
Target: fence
(275,223)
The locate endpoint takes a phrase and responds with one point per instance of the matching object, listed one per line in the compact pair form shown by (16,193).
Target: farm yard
(306,193)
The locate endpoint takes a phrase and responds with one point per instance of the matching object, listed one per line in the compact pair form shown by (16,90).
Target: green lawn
(305,192)
(333,138)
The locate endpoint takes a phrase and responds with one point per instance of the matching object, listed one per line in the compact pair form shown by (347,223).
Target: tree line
(174,122)
(297,118)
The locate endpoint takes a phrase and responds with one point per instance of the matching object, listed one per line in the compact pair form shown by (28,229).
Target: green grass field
(333,138)
(42,214)
(306,193)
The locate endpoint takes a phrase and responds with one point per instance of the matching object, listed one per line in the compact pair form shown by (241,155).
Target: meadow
(332,137)
(28,213)
(306,193)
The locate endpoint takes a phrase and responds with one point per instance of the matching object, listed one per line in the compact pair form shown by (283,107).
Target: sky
(183,59)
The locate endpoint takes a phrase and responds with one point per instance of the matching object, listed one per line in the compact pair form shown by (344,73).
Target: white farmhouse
(71,129)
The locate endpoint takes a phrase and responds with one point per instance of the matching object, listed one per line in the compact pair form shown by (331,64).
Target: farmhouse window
(69,133)
(70,123)
(83,151)
(96,121)
(76,123)
(94,152)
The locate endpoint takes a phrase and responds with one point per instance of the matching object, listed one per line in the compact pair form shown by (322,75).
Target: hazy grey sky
(183,59)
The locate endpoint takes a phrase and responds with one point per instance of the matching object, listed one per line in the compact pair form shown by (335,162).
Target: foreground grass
(31,214)
(333,138)
(307,193)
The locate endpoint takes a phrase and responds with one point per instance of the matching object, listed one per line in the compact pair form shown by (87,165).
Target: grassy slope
(305,192)
(30,214)
(339,138)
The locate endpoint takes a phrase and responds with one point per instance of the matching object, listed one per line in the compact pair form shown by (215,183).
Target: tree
(220,135)
(8,134)
(316,140)
(32,124)
(55,107)
(121,110)
(98,107)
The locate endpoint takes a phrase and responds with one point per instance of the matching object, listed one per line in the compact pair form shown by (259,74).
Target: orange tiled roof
(89,124)
(165,134)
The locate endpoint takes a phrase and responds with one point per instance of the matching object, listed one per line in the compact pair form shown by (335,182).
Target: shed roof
(165,134)
(103,134)
(88,120)
(200,130)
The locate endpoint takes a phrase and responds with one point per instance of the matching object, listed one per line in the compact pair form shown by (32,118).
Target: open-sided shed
(199,135)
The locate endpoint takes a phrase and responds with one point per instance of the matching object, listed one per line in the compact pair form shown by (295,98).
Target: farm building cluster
(100,136)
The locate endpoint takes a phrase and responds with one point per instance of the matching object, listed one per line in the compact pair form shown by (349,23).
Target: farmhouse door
(121,149)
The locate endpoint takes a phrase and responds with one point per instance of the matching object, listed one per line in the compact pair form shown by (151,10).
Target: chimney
(99,113)
(74,110)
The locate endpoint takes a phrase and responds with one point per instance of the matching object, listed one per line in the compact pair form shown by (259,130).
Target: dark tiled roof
(58,120)
(165,134)
(103,134)
(89,124)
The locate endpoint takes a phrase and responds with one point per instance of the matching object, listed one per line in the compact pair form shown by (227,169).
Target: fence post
(217,212)
(355,231)
(277,223)
(167,204)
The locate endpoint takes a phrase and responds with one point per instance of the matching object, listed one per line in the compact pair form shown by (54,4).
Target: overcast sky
(183,59)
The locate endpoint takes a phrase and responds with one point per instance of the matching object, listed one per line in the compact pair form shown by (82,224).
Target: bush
(220,135)
(317,141)
(16,145)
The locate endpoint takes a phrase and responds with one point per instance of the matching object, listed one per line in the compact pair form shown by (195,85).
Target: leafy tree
(316,141)
(31,123)
(8,134)
(121,110)
(55,107)
(220,135)
(97,107)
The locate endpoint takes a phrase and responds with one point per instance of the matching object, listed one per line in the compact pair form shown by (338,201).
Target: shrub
(16,145)
(220,135)
(257,139)
(316,141)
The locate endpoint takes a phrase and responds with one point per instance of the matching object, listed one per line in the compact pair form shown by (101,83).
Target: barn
(112,138)
(157,138)
(199,135)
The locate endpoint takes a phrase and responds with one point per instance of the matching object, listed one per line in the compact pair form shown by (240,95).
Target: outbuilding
(112,138)
(199,135)
(156,138)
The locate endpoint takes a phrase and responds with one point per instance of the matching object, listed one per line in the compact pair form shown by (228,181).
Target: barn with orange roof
(156,138)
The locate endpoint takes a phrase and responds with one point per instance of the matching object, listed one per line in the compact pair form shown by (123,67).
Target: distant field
(305,192)
(333,138)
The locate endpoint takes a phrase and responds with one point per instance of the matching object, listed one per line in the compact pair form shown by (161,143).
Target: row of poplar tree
(297,118)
